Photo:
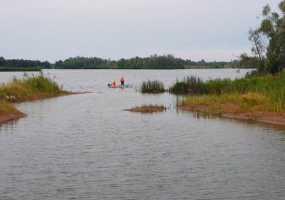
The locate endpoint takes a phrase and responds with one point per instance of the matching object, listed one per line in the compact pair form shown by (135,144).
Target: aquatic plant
(152,87)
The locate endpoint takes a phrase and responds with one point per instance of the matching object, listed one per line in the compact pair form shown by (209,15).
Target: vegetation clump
(26,89)
(153,87)
(148,109)
(30,88)
(189,85)
(270,86)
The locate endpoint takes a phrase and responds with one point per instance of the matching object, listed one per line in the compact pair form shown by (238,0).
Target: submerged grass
(153,87)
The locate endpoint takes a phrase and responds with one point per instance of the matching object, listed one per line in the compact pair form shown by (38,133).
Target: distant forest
(151,62)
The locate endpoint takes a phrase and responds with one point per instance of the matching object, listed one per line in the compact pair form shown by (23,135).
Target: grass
(29,88)
(153,87)
(148,109)
(229,103)
(189,85)
(26,89)
(268,86)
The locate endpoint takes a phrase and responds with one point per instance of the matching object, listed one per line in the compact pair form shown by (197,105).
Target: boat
(120,86)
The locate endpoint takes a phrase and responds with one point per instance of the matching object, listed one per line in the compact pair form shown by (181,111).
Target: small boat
(120,86)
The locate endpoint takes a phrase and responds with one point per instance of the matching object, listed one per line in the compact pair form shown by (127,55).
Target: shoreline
(269,118)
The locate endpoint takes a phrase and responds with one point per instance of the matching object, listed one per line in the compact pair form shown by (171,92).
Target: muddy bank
(4,118)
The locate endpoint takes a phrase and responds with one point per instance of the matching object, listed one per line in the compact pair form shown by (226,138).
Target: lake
(86,146)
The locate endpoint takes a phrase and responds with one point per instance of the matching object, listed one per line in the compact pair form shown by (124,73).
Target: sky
(193,29)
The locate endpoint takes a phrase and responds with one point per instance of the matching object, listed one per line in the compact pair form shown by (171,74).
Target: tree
(258,47)
(272,27)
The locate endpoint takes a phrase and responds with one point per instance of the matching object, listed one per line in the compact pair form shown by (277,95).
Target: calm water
(86,147)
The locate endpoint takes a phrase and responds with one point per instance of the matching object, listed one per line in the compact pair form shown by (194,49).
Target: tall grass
(29,88)
(189,85)
(272,87)
(153,87)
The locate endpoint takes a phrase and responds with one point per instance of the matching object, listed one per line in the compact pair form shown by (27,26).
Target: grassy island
(26,89)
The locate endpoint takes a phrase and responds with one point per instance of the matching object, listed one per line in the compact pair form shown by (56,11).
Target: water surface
(86,147)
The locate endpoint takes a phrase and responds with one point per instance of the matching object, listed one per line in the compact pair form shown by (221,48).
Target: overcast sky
(195,29)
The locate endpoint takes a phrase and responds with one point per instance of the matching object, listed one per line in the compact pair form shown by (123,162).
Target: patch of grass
(29,88)
(153,87)
(148,109)
(269,86)
(229,103)
(189,85)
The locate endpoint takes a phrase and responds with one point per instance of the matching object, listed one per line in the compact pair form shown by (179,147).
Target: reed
(153,87)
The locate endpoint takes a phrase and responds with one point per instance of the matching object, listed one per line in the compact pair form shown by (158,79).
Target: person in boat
(122,82)
(114,84)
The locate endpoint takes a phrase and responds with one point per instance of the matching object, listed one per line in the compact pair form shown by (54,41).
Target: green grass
(29,88)
(153,87)
(272,88)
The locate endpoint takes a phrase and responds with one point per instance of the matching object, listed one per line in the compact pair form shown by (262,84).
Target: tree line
(151,62)
(19,63)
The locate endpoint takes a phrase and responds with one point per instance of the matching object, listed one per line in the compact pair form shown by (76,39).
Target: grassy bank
(259,98)
(26,89)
